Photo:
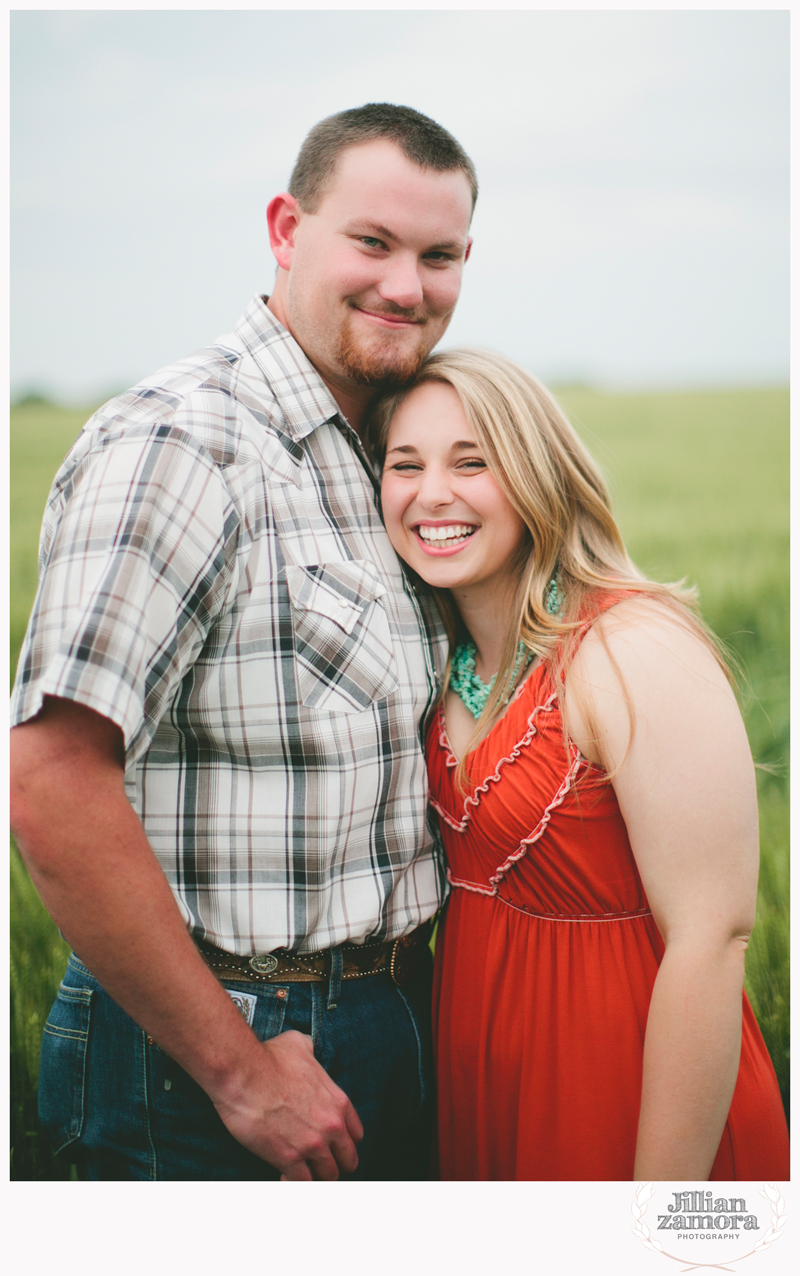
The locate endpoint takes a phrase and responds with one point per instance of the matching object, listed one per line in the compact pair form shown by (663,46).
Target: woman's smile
(444,538)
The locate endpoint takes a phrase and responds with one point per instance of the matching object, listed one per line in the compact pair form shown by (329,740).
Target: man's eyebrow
(383,232)
(370,228)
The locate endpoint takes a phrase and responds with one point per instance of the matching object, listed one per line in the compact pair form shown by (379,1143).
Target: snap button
(343,602)
(264,965)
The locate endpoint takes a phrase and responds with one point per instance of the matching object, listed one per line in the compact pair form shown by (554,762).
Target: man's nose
(401,283)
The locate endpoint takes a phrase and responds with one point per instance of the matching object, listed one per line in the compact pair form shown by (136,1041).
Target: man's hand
(292,1115)
(99,879)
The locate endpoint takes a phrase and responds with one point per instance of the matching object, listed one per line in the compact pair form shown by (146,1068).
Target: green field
(701,487)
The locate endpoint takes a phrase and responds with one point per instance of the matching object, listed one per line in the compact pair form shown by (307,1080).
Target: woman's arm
(686,789)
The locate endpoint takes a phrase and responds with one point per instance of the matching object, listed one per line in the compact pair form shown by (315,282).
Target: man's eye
(439,256)
(371,242)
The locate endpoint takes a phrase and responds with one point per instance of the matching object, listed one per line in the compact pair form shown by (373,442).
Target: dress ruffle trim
(474,799)
(497,877)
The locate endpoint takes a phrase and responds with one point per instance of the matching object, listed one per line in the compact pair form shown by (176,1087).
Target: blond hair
(559,492)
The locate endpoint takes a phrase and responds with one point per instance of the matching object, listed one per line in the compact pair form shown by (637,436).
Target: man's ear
(283,216)
(469,249)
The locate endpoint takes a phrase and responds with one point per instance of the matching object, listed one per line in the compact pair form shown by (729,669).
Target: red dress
(545,963)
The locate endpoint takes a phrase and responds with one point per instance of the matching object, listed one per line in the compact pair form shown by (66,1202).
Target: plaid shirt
(215,579)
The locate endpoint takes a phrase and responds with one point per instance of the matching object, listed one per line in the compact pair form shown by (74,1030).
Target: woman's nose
(435,488)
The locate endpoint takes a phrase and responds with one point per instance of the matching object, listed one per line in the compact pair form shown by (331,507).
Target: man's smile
(389,319)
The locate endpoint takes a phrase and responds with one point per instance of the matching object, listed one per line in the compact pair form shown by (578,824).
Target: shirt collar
(301,394)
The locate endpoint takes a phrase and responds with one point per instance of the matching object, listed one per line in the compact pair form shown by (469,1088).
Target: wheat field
(700,482)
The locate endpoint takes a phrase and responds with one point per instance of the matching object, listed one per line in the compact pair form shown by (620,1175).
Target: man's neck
(352,400)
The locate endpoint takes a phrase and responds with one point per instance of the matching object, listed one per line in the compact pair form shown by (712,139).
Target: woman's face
(445,512)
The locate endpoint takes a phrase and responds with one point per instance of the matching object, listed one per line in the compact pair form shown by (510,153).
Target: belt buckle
(263,965)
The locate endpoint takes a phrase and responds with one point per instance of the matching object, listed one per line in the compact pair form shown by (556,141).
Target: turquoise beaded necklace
(465,682)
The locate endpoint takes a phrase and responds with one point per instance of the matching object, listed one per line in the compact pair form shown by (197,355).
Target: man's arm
(98,877)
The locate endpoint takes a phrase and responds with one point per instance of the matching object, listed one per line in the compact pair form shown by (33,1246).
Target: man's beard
(379,364)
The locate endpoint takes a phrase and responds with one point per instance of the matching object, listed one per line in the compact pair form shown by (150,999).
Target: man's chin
(380,365)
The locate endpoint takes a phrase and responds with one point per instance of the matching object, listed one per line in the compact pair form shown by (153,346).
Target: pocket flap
(339,591)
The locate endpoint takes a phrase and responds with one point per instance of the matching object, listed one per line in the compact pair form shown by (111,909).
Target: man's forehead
(371,174)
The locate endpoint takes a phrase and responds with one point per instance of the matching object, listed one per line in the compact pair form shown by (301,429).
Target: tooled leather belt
(402,959)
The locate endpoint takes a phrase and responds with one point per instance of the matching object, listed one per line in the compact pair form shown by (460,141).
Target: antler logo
(698,1217)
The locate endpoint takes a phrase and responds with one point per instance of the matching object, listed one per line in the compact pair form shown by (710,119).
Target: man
(218,783)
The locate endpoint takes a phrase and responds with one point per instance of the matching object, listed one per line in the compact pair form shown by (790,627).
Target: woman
(597,803)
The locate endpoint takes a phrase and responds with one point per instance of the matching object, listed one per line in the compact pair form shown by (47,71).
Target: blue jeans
(113,1102)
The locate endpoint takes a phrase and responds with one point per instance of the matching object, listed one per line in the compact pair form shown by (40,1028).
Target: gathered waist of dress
(493,894)
(576,917)
(491,890)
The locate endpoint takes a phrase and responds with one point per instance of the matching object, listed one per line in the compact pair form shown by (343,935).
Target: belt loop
(335,977)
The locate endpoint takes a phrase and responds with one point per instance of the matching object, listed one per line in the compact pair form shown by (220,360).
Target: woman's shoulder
(641,658)
(650,632)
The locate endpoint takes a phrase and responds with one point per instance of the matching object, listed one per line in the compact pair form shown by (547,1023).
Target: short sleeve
(136,564)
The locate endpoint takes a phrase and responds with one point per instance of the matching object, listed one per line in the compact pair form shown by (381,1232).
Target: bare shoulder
(645,637)
(641,662)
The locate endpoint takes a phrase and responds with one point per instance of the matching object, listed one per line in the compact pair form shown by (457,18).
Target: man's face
(375,272)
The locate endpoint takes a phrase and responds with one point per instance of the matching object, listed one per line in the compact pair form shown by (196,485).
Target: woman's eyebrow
(465,445)
(406,447)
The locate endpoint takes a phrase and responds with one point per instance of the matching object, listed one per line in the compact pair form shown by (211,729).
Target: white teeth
(456,532)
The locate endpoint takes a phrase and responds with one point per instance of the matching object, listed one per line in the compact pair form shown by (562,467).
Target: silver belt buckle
(264,965)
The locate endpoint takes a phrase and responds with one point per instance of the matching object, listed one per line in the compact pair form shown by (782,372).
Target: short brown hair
(421,140)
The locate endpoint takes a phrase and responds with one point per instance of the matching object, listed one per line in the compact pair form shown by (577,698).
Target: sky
(632,226)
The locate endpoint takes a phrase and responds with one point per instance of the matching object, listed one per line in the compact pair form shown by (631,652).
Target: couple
(219,783)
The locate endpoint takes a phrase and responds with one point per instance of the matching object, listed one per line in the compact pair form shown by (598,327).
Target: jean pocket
(264,1010)
(62,1066)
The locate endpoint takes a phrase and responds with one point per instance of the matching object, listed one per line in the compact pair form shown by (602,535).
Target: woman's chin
(440,574)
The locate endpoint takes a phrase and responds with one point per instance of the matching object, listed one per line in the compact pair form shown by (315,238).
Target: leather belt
(401,958)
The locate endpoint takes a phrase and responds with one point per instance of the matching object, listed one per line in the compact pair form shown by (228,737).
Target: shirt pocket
(343,646)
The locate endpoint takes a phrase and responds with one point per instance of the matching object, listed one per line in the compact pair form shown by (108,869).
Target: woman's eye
(473,463)
(405,467)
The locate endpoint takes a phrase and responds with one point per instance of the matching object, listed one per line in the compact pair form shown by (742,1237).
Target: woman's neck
(489,619)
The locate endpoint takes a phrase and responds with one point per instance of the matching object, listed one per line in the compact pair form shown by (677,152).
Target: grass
(40,438)
(701,491)
(38,959)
